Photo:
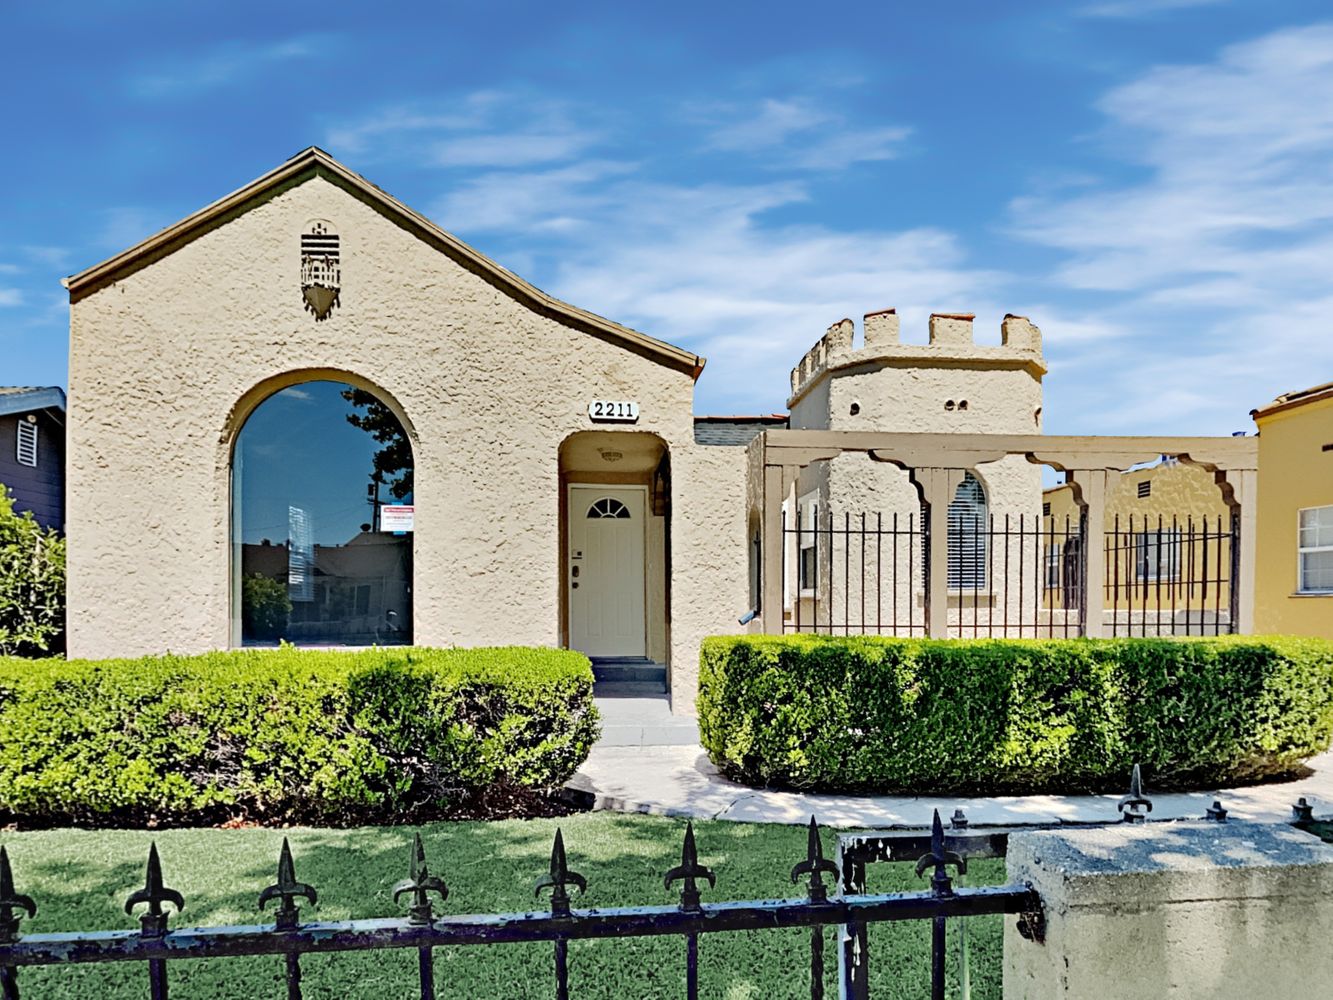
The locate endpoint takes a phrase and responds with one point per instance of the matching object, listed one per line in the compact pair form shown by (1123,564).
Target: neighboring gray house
(32,450)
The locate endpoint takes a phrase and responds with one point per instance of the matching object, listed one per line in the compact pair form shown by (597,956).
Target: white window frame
(1305,550)
(25,451)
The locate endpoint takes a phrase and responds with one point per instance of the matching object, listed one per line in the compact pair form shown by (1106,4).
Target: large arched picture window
(321,520)
(968,535)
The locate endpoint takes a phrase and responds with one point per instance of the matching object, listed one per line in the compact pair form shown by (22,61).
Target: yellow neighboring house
(1168,549)
(1293,587)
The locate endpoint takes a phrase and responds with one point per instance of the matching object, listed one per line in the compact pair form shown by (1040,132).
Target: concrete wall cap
(1148,864)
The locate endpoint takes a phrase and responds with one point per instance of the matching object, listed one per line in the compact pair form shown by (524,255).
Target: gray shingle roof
(735,431)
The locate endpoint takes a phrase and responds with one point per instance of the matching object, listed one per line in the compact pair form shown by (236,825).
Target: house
(308,413)
(1169,548)
(1294,570)
(32,451)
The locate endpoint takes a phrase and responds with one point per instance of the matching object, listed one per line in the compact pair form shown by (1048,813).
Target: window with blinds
(968,536)
(26,445)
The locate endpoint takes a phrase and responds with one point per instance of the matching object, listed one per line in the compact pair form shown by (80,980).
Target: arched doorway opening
(615,544)
(322,511)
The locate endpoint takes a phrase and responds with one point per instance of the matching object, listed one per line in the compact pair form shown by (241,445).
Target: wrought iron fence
(1171,577)
(1009,575)
(857,574)
(290,937)
(868,574)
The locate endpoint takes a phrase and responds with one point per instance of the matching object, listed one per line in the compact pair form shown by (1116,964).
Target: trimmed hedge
(288,734)
(869,714)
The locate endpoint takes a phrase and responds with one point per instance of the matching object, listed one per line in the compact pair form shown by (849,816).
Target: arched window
(322,518)
(608,507)
(968,536)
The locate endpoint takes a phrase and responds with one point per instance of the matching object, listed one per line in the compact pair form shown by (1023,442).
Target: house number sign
(613,410)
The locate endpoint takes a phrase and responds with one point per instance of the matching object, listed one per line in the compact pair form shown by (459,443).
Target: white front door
(605,570)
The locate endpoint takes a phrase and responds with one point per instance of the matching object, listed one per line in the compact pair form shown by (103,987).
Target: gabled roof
(314,162)
(26,398)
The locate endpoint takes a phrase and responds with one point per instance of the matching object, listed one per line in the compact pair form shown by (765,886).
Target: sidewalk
(680,781)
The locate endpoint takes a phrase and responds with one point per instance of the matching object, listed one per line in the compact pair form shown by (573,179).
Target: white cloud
(11,297)
(799,133)
(702,266)
(1214,266)
(486,128)
(1142,8)
(224,64)
(518,150)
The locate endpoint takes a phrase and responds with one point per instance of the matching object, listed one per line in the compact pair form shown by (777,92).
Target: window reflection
(314,466)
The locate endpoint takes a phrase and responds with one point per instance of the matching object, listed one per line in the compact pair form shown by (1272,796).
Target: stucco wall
(951,385)
(1294,472)
(166,363)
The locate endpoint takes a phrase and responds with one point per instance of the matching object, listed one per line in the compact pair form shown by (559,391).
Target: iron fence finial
(1302,811)
(153,921)
(814,865)
(420,882)
(287,889)
(688,871)
(959,819)
(559,877)
(940,883)
(10,901)
(1215,812)
(1135,806)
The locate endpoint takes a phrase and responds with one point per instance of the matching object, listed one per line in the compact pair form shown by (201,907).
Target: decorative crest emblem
(321,268)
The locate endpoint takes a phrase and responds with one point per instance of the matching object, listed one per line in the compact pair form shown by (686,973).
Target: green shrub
(265,606)
(288,734)
(32,583)
(894,715)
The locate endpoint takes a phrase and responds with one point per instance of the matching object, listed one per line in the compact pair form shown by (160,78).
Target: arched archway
(322,497)
(615,544)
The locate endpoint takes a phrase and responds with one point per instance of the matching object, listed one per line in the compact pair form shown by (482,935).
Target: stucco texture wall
(166,363)
(1294,472)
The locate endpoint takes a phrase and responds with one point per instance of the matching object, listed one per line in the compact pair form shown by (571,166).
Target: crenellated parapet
(951,343)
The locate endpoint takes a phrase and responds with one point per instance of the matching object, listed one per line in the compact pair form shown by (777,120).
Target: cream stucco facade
(174,344)
(949,385)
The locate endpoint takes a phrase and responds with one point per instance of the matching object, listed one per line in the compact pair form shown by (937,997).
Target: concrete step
(636,670)
(628,689)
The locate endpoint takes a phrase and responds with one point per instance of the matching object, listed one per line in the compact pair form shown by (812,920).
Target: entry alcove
(321,502)
(615,543)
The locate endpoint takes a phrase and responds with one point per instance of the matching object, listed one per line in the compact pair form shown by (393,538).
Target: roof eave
(48,398)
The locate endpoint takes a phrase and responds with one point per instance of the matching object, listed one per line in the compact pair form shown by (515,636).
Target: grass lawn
(80,880)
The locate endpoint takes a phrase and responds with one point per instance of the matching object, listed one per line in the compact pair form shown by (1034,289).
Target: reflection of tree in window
(393,461)
(309,566)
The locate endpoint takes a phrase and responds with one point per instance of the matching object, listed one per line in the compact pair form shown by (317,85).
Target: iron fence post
(153,921)
(11,903)
(420,883)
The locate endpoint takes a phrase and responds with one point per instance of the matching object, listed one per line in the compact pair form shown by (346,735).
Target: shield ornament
(321,268)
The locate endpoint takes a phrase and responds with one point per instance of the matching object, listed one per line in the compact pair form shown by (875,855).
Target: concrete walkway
(680,781)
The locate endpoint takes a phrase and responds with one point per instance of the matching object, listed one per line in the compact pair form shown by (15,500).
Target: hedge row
(287,734)
(887,715)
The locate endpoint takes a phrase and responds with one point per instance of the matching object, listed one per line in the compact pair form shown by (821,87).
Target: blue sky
(1150,180)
